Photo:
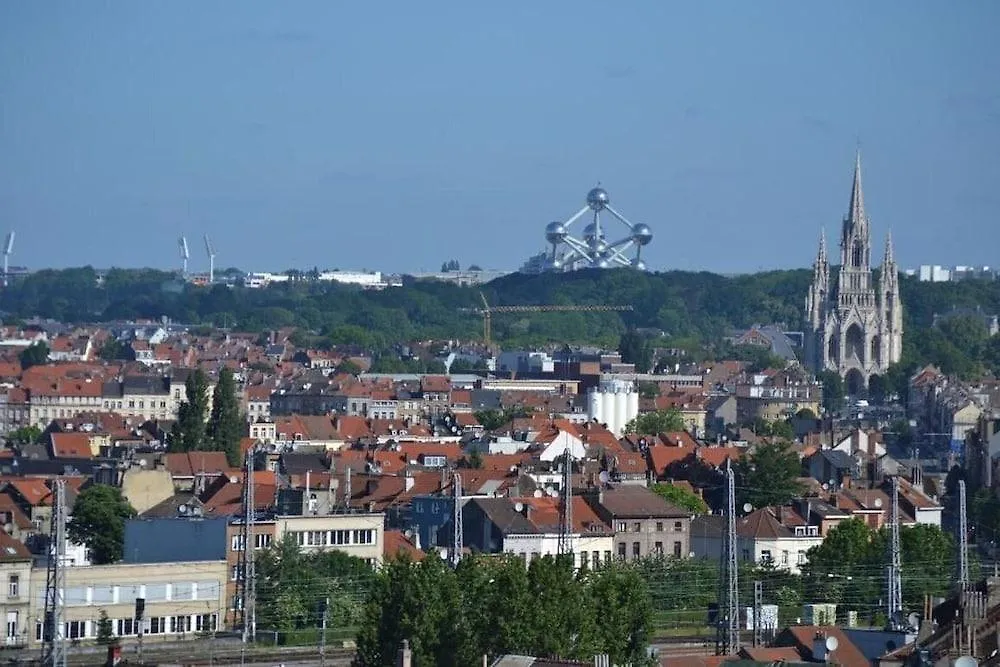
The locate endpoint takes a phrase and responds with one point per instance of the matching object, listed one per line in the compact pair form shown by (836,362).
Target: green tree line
(687,306)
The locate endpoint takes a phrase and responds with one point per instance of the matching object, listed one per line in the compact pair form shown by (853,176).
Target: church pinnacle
(856,212)
(821,257)
(889,258)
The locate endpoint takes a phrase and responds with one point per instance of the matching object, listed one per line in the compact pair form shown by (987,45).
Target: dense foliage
(98,521)
(495,606)
(659,421)
(225,422)
(688,307)
(293,586)
(768,476)
(680,497)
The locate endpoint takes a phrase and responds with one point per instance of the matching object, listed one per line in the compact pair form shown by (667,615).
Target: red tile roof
(396,544)
(71,445)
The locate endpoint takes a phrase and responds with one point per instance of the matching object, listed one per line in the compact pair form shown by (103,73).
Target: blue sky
(397,135)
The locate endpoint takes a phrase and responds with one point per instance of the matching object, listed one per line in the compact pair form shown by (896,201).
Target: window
(677,550)
(746,554)
(621,550)
(180,624)
(14,586)
(11,625)
(659,526)
(235,574)
(636,549)
(784,558)
(157,625)
(658,548)
(800,531)
(261,541)
(125,627)
(802,558)
(583,558)
(340,537)
(596,557)
(636,527)
(364,537)
(76,629)
(813,531)
(237,543)
(765,556)
(535,555)
(678,526)
(204,623)
(622,527)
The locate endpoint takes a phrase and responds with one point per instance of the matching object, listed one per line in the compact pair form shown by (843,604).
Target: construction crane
(487,312)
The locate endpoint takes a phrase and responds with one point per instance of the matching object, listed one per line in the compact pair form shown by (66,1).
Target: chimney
(405,655)
(819,647)
(408,479)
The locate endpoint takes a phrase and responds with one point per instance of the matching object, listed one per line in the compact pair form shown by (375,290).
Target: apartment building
(62,398)
(182,599)
(15,575)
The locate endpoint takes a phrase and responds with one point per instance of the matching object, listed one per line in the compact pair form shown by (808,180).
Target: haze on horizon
(344,135)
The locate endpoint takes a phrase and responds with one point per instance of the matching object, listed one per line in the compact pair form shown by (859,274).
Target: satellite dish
(183,509)
(966,661)
(518,507)
(747,507)
(604,477)
(554,493)
(914,620)
(878,503)
(196,511)
(832,643)
(538,493)
(824,486)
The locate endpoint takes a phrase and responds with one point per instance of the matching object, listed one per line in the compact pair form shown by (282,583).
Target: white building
(761,538)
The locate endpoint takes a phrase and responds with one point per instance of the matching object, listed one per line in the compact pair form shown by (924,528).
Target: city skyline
(293,141)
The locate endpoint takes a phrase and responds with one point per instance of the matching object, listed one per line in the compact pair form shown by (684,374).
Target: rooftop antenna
(456,543)
(185,255)
(8,248)
(211,260)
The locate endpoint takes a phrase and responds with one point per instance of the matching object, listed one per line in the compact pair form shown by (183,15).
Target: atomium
(595,248)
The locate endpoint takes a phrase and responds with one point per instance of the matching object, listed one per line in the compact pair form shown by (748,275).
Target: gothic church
(854,324)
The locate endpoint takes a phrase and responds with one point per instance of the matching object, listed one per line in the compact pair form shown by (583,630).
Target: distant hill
(703,306)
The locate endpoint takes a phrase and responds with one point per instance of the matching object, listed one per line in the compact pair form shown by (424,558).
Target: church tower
(854,326)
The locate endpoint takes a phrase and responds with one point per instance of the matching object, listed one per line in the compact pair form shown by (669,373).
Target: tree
(648,389)
(833,390)
(623,613)
(661,421)
(635,349)
(116,350)
(36,354)
(105,630)
(769,476)
(348,367)
(189,431)
(26,435)
(98,521)
(680,497)
(225,425)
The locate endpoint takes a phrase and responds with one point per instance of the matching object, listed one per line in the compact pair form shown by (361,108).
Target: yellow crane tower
(487,312)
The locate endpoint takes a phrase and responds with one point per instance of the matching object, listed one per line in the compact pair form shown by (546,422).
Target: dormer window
(813,531)
(800,531)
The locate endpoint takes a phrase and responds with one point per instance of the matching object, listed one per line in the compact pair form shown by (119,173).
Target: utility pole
(963,537)
(894,584)
(247,572)
(53,628)
(566,507)
(140,621)
(758,616)
(728,629)
(456,519)
(324,609)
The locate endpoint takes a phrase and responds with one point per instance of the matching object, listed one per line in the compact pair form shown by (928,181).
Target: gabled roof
(637,502)
(395,544)
(188,464)
(70,445)
(762,524)
(12,550)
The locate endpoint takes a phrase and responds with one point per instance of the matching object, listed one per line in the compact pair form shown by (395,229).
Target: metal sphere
(590,231)
(638,264)
(642,234)
(556,263)
(598,198)
(603,263)
(555,232)
(600,245)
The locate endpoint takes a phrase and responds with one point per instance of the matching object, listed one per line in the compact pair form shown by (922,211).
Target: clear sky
(397,135)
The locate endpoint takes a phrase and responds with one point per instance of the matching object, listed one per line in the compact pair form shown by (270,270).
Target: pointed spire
(856,212)
(889,254)
(821,257)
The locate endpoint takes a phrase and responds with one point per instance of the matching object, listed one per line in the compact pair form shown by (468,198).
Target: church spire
(889,258)
(821,256)
(856,212)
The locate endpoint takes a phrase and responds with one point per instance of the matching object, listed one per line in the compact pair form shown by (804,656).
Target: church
(854,321)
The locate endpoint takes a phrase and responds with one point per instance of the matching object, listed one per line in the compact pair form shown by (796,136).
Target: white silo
(595,406)
(621,410)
